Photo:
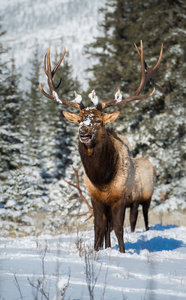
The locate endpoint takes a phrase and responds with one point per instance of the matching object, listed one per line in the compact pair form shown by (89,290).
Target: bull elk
(109,168)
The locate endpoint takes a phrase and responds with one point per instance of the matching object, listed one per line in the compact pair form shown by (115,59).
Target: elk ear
(111,117)
(70,116)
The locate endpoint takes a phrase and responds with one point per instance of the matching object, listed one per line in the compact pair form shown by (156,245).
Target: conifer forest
(38,146)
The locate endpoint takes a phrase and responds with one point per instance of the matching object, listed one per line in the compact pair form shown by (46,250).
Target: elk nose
(83,131)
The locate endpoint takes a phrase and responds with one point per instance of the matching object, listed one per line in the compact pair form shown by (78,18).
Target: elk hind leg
(133,215)
(145,213)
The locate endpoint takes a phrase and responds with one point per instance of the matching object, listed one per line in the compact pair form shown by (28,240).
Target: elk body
(109,168)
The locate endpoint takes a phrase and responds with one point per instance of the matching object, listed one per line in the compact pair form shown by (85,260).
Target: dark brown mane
(101,166)
(113,132)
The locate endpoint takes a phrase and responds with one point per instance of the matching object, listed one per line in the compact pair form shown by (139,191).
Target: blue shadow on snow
(160,227)
(156,243)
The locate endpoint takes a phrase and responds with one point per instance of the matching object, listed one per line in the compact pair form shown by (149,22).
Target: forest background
(38,147)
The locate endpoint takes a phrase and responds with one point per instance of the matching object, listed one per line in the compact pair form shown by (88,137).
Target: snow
(86,122)
(153,266)
(55,95)
(78,98)
(176,49)
(118,96)
(93,97)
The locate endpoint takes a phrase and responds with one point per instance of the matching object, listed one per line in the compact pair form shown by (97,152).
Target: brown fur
(113,179)
(109,172)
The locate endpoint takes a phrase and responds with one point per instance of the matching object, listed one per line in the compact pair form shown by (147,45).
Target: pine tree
(11,139)
(128,22)
(13,96)
(155,126)
(3,69)
(35,148)
(48,146)
(62,132)
(32,103)
(11,99)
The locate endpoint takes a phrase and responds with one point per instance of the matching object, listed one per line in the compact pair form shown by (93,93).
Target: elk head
(91,124)
(92,120)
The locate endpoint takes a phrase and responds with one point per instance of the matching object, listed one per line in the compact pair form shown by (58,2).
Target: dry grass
(171,218)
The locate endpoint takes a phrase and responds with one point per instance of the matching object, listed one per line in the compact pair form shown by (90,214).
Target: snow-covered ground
(153,267)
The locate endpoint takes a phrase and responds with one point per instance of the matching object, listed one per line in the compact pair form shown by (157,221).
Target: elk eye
(98,122)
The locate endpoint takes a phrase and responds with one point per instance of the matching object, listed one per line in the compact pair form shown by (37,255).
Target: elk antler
(150,72)
(50,74)
(146,75)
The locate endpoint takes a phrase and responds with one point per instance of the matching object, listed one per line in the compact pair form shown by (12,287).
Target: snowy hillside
(57,23)
(45,267)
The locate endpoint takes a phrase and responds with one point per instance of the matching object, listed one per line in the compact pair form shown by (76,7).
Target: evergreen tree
(46,126)
(155,127)
(11,99)
(10,138)
(3,69)
(13,96)
(33,101)
(126,23)
(35,148)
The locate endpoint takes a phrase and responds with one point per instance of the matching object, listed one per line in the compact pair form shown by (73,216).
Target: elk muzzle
(85,134)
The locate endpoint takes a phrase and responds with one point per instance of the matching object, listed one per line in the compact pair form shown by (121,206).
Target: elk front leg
(108,228)
(107,235)
(99,224)
(118,214)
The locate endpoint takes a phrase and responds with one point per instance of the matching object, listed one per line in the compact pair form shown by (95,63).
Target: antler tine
(146,75)
(59,62)
(159,59)
(156,66)
(56,67)
(46,72)
(50,75)
(46,94)
(143,70)
(150,72)
(50,82)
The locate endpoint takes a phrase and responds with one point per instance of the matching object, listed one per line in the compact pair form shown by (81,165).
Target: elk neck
(100,159)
